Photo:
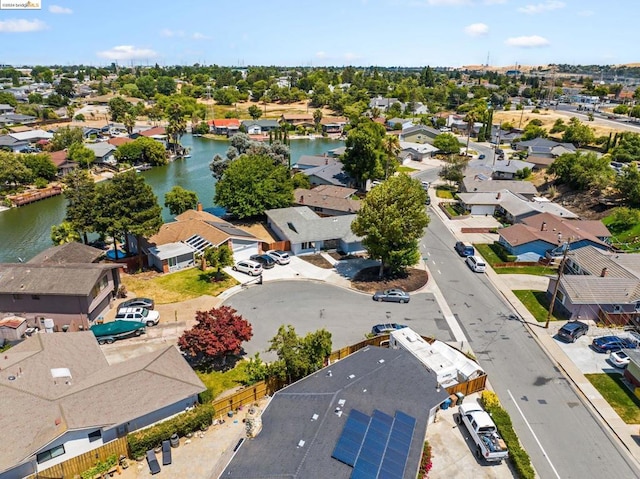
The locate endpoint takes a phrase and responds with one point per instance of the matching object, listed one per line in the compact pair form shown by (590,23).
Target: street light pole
(555,289)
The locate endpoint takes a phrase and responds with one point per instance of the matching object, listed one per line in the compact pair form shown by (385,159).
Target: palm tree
(391,148)
(470,118)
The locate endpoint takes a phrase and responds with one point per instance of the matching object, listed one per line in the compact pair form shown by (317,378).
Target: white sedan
(619,359)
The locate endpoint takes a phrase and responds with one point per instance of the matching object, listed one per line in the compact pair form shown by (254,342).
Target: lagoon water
(25,231)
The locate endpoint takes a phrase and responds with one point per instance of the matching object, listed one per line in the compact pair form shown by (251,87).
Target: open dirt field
(519,119)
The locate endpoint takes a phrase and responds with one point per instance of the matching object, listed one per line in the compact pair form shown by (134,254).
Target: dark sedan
(265,260)
(138,303)
(394,295)
(610,344)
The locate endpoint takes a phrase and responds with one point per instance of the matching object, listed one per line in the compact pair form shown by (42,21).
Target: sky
(401,33)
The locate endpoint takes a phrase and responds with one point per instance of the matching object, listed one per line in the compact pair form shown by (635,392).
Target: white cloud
(60,10)
(21,25)
(532,41)
(165,32)
(476,29)
(127,52)
(546,6)
(586,13)
(200,36)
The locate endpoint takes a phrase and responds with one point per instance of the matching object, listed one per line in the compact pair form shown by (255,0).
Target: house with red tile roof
(224,126)
(63,164)
(119,140)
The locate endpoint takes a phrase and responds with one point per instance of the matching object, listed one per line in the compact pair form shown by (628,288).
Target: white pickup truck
(489,445)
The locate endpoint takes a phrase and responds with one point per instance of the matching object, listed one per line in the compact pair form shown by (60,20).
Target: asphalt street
(554,426)
(349,316)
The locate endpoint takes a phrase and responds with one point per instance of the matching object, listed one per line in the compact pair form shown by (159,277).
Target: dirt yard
(519,119)
(367,280)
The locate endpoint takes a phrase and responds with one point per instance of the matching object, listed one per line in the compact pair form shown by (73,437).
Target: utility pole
(555,289)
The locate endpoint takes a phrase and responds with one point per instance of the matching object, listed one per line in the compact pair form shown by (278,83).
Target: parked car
(394,295)
(476,264)
(428,200)
(425,185)
(281,257)
(610,344)
(464,249)
(138,303)
(481,157)
(265,260)
(252,268)
(386,328)
(619,359)
(571,331)
(140,315)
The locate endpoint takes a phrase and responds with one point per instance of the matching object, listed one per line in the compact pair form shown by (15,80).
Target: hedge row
(502,253)
(196,419)
(518,456)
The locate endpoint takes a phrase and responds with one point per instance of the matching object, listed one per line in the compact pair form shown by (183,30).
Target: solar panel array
(376,447)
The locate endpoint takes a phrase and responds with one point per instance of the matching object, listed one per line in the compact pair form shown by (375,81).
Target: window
(50,454)
(308,245)
(560,297)
(17,296)
(95,435)
(102,283)
(35,296)
(617,308)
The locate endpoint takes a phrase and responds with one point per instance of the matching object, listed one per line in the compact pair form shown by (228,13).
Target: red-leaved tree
(217,334)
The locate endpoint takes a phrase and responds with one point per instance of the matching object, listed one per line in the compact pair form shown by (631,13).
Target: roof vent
(301,443)
(351,376)
(381,361)
(11,378)
(314,417)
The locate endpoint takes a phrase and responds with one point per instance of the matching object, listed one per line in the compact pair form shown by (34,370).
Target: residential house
(512,206)
(305,424)
(313,161)
(419,134)
(599,285)
(12,328)
(309,233)
(306,121)
(63,164)
(481,183)
(224,126)
(62,399)
(104,152)
(337,152)
(16,118)
(60,284)
(333,124)
(158,133)
(546,235)
(327,200)
(331,173)
(540,162)
(416,151)
(88,132)
(632,371)
(119,140)
(404,123)
(543,147)
(32,136)
(175,246)
(382,103)
(259,127)
(6,108)
(8,142)
(500,136)
(507,169)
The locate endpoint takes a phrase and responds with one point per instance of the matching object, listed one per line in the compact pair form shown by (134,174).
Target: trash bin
(446,404)
(460,398)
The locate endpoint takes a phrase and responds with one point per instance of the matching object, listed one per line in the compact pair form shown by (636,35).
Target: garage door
(244,249)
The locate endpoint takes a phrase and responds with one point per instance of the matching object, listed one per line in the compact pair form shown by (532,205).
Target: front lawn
(219,381)
(451,209)
(619,397)
(537,304)
(179,286)
(488,253)
(627,240)
(405,169)
(445,192)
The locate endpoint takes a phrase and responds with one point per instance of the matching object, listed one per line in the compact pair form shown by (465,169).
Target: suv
(281,257)
(464,249)
(265,260)
(140,315)
(386,328)
(252,268)
(476,264)
(571,331)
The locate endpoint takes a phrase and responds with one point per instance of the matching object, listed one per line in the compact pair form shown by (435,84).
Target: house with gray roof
(331,173)
(382,103)
(104,152)
(543,147)
(259,127)
(303,423)
(6,108)
(500,136)
(507,169)
(416,151)
(16,118)
(600,285)
(8,142)
(482,183)
(62,399)
(327,200)
(62,283)
(32,136)
(309,233)
(419,134)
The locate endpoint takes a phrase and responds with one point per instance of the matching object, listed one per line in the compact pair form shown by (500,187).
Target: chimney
(544,226)
(326,161)
(301,198)
(199,207)
(604,272)
(498,195)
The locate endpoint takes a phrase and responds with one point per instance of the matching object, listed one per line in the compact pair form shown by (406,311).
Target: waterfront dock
(31,196)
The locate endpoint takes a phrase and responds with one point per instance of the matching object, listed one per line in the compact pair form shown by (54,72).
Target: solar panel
(397,451)
(350,440)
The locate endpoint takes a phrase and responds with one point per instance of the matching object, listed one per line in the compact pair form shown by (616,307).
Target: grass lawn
(451,210)
(628,240)
(444,192)
(220,381)
(537,304)
(405,169)
(536,270)
(488,253)
(619,397)
(179,286)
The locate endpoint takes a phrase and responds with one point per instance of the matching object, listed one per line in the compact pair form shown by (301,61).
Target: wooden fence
(77,465)
(281,245)
(246,396)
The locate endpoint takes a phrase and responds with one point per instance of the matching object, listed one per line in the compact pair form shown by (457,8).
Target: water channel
(26,231)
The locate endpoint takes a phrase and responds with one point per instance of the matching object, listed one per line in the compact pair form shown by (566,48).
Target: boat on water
(188,155)
(143,167)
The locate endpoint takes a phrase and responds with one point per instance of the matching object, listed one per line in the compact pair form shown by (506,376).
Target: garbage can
(460,398)
(445,405)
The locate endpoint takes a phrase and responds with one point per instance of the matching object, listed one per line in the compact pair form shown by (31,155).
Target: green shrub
(41,183)
(198,418)
(205,396)
(502,253)
(100,467)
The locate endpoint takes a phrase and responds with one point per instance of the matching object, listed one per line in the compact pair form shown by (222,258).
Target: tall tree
(252,184)
(65,136)
(40,165)
(298,357)
(217,334)
(65,88)
(81,154)
(12,170)
(391,149)
(392,221)
(80,193)
(127,204)
(118,108)
(578,133)
(179,200)
(447,143)
(470,118)
(177,125)
(64,233)
(255,112)
(363,158)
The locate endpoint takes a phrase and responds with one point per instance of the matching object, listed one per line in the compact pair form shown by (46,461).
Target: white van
(476,264)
